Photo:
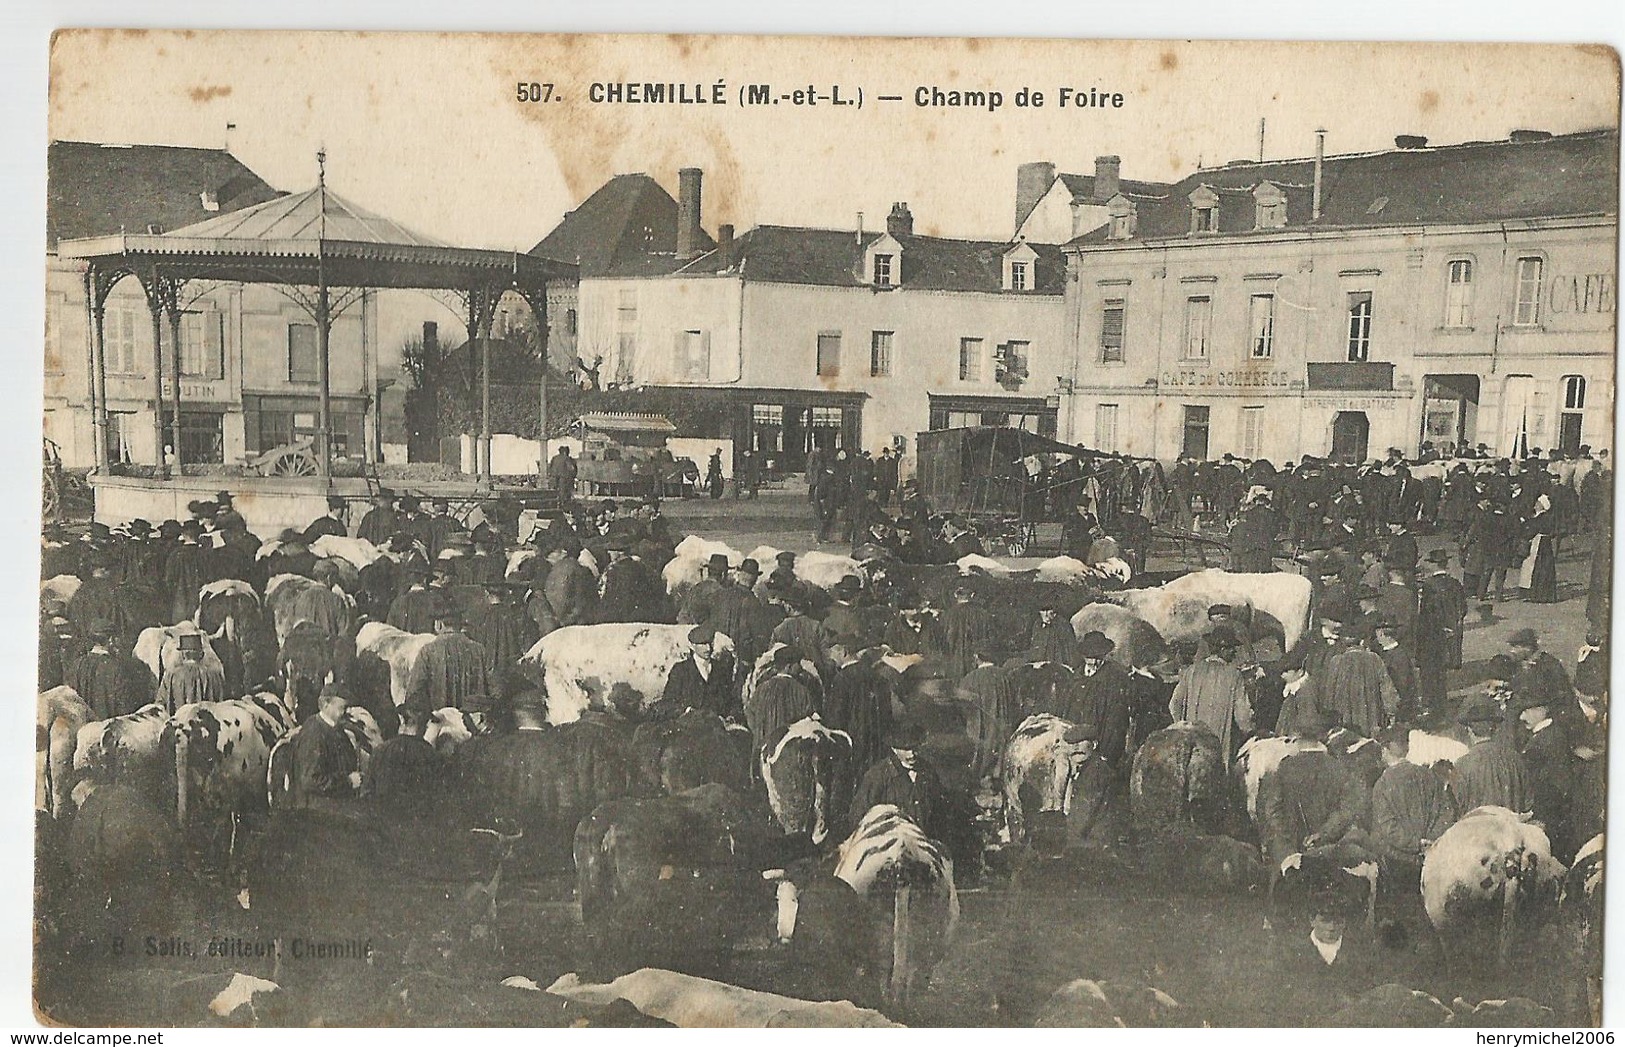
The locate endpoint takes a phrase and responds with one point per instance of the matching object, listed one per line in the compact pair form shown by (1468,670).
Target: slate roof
(833,258)
(95,189)
(1562,176)
(628,227)
(317,213)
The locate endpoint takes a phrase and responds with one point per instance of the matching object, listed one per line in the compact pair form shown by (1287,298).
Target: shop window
(767,420)
(200,437)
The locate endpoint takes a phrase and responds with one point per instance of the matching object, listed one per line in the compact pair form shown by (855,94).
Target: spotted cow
(616,667)
(221,755)
(809,776)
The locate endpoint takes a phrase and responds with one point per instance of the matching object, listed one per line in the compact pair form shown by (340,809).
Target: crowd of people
(1385,634)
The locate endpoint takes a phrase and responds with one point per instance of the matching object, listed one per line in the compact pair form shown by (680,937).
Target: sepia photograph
(737,532)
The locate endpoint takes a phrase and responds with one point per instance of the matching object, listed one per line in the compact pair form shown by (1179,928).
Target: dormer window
(883,269)
(1269,206)
(1204,210)
(1120,218)
(1020,267)
(882,263)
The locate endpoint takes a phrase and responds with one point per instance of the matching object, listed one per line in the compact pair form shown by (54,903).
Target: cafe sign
(1205,379)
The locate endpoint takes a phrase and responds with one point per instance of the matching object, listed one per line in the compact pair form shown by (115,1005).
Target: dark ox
(809,777)
(1178,778)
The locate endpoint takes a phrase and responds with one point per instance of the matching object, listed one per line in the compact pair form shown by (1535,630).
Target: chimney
(725,243)
(689,233)
(1107,169)
(860,229)
(900,222)
(1032,182)
(431,339)
(1320,162)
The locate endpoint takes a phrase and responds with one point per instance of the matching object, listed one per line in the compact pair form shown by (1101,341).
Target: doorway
(1450,410)
(1194,444)
(1351,432)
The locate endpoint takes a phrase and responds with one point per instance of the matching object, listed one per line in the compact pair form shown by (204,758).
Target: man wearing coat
(703,679)
(902,779)
(1492,773)
(1104,697)
(1211,693)
(1357,691)
(778,701)
(1440,620)
(450,669)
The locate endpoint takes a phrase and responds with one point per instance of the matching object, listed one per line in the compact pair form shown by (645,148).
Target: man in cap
(1212,693)
(780,700)
(450,669)
(702,679)
(902,779)
(1052,638)
(330,523)
(381,522)
(1440,626)
(1491,773)
(111,682)
(1105,697)
(1543,677)
(191,680)
(325,765)
(1411,806)
(1548,755)
(627,590)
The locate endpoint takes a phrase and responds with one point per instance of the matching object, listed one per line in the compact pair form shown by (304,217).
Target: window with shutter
(692,361)
(1359,342)
(829,354)
(880,344)
(302,353)
(970,359)
(202,355)
(1198,326)
(1263,326)
(1111,331)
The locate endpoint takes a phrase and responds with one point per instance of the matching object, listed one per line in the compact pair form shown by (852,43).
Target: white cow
(814,568)
(1488,859)
(691,1002)
(396,648)
(128,744)
(357,552)
(687,566)
(620,666)
(1178,610)
(60,717)
(1259,758)
(158,647)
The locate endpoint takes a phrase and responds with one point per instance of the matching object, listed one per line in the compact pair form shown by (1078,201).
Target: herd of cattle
(680,830)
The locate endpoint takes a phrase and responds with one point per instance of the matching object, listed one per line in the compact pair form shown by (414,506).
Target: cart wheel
(294,463)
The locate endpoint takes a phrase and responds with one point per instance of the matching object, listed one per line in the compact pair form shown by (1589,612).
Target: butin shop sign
(1226,379)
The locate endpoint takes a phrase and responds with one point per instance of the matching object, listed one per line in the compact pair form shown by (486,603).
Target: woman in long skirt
(1539,576)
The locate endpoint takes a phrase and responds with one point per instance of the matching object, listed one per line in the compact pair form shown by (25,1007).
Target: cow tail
(182,745)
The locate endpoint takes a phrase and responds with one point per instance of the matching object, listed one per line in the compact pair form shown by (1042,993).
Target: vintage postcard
(723,531)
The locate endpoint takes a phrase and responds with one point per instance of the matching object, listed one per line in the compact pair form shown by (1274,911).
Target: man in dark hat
(1548,755)
(844,621)
(627,590)
(1411,806)
(1401,669)
(778,701)
(1104,696)
(902,779)
(697,604)
(226,515)
(437,525)
(568,591)
(1052,638)
(450,669)
(186,571)
(325,765)
(967,626)
(1355,687)
(381,522)
(413,611)
(330,523)
(859,700)
(111,682)
(191,680)
(702,679)
(1440,626)
(1491,773)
